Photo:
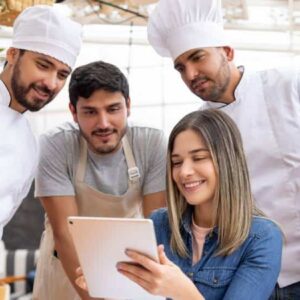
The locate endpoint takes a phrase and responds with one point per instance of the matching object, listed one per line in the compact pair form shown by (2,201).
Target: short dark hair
(99,75)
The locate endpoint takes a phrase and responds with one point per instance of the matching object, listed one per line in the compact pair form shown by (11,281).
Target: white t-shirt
(267,112)
(18,158)
(107,173)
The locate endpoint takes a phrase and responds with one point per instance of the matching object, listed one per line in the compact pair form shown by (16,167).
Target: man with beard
(44,49)
(97,166)
(265,105)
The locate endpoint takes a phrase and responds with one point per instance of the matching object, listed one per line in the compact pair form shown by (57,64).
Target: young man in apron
(97,166)
(36,68)
(265,105)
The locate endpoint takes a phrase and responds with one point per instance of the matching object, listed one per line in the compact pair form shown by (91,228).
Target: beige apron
(51,283)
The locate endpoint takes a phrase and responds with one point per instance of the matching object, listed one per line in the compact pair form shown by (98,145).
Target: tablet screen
(101,243)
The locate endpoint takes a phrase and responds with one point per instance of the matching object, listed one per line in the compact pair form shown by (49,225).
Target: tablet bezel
(98,260)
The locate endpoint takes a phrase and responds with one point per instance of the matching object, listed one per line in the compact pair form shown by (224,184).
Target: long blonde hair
(233,203)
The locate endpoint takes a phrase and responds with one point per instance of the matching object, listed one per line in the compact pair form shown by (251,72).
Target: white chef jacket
(267,112)
(18,158)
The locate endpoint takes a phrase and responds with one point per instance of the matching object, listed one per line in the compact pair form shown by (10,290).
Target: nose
(191,72)
(51,81)
(186,169)
(103,120)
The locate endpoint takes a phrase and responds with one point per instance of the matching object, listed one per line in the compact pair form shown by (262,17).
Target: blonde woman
(214,243)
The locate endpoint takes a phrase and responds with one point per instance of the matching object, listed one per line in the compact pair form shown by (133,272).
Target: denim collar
(187,221)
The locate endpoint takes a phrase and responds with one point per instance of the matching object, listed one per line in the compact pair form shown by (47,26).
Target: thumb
(163,259)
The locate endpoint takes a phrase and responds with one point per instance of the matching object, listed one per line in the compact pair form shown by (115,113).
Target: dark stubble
(20,91)
(220,82)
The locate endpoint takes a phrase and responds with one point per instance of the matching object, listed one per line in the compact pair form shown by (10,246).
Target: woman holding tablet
(216,243)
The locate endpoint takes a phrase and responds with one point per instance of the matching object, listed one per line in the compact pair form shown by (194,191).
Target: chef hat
(176,26)
(41,28)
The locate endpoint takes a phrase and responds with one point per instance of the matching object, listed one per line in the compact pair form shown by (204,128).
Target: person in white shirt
(265,105)
(44,48)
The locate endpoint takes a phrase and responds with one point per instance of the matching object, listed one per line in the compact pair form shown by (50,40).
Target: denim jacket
(250,272)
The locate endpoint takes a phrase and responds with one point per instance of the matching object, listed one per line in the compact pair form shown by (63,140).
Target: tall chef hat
(43,29)
(176,26)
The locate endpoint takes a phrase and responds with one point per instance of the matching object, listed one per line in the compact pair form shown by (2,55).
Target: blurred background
(265,33)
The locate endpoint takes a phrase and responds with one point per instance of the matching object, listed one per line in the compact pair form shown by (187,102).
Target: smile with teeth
(190,186)
(41,93)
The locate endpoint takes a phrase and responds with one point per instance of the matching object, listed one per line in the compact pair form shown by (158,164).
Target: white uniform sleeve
(18,158)
(8,188)
(54,175)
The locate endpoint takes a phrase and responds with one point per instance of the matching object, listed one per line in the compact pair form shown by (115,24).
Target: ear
(12,55)
(229,52)
(73,112)
(128,105)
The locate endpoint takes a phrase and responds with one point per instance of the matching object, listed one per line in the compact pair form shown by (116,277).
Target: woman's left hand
(162,278)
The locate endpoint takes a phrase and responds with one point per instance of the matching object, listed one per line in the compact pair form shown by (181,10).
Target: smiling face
(206,72)
(194,173)
(36,79)
(102,119)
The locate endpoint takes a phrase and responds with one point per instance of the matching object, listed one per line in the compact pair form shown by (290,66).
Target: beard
(104,148)
(20,91)
(219,83)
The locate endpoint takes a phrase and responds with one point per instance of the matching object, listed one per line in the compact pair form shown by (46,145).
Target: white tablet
(100,244)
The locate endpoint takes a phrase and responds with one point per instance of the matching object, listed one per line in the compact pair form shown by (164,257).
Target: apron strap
(133,171)
(80,172)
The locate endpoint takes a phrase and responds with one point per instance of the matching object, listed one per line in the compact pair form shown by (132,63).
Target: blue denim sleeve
(258,272)
(161,225)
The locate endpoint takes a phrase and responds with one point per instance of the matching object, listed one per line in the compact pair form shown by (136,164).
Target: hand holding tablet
(101,244)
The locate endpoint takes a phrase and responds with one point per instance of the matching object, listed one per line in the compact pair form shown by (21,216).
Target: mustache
(104,131)
(197,80)
(44,89)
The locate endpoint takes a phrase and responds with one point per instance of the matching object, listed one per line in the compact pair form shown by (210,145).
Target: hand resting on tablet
(163,278)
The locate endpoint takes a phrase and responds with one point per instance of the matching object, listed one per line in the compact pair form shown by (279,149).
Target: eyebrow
(192,152)
(87,107)
(195,53)
(92,107)
(45,60)
(176,64)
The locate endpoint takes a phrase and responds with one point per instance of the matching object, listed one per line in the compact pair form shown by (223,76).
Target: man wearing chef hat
(265,105)
(44,48)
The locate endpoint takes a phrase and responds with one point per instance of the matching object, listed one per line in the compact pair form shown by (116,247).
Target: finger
(140,281)
(135,270)
(80,281)
(144,261)
(162,256)
(161,247)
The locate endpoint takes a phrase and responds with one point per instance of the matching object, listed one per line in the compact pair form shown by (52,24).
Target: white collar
(238,92)
(240,89)
(4,94)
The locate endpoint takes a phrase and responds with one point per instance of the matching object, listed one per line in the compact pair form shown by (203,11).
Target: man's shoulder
(64,132)
(142,131)
(280,73)
(145,136)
